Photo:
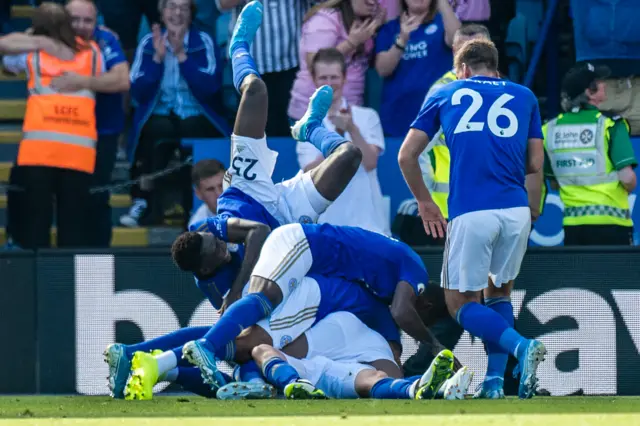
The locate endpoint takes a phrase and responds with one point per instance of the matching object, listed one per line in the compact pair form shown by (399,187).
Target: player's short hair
(472,30)
(329,56)
(477,54)
(204,169)
(185,251)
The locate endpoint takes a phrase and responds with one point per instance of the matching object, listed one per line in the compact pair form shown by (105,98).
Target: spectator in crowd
(412,52)
(275,51)
(109,108)
(361,203)
(174,81)
(347,25)
(207,176)
(591,160)
(124,18)
(14,44)
(57,153)
(392,8)
(435,160)
(606,33)
(472,11)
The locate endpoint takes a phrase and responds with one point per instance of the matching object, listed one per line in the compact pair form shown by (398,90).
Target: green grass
(33,407)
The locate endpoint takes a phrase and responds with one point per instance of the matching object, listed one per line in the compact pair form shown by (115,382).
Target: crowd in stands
(177,70)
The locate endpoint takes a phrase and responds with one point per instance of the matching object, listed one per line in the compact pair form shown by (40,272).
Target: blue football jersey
(487,123)
(234,204)
(376,261)
(340,295)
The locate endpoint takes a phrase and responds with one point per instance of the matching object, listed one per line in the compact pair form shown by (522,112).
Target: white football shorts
(482,244)
(251,170)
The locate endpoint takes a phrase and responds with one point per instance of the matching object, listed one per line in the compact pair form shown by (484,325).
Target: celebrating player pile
(305,273)
(313,311)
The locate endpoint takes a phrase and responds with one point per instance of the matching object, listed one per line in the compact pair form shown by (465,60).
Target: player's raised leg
(342,158)
(252,162)
(251,118)
(282,375)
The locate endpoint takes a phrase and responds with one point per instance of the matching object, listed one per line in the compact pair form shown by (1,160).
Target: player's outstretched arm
(533,183)
(403,310)
(535,155)
(408,158)
(534,170)
(252,235)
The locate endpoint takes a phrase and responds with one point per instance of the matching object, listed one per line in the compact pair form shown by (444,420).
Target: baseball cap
(580,77)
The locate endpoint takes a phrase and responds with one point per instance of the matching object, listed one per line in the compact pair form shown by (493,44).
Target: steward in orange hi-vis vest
(59,128)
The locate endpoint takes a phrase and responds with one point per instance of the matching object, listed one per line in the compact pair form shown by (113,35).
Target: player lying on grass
(320,378)
(389,269)
(336,295)
(310,301)
(493,131)
(339,361)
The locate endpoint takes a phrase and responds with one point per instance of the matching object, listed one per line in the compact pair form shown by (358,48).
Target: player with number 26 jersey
(493,130)
(487,122)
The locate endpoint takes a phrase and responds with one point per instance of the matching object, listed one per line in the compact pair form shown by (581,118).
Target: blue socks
(191,381)
(491,327)
(325,140)
(242,63)
(389,388)
(279,372)
(250,372)
(244,313)
(168,341)
(498,357)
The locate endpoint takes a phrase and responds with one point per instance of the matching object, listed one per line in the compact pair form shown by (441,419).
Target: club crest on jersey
(285,340)
(431,29)
(293,283)
(421,287)
(232,247)
(305,220)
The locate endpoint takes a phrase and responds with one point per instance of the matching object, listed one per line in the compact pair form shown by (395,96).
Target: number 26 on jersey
(496,110)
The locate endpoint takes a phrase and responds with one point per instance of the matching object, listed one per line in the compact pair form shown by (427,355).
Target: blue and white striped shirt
(277,41)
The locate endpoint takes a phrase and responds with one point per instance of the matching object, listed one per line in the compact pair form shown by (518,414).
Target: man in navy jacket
(175,88)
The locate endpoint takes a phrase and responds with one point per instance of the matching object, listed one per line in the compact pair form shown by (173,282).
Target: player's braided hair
(185,251)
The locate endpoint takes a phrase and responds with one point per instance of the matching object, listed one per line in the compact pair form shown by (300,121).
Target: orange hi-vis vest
(59,128)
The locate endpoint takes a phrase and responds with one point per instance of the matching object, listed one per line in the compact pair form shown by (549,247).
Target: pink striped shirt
(325,29)
(472,10)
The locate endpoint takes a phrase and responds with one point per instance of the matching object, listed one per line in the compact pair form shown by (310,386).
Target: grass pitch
(191,410)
